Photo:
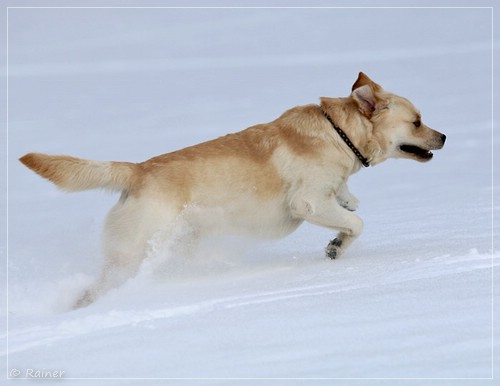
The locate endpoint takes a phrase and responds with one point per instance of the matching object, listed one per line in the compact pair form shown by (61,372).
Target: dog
(263,181)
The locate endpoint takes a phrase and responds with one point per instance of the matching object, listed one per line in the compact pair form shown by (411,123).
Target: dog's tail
(74,174)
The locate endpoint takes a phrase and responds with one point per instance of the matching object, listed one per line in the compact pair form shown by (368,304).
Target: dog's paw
(85,300)
(333,249)
(350,204)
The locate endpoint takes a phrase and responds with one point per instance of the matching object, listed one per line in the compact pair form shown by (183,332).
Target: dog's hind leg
(110,277)
(122,261)
(129,226)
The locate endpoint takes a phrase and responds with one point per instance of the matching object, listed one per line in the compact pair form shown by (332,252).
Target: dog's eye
(417,123)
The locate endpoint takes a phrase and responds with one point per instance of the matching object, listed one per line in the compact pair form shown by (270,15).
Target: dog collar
(347,141)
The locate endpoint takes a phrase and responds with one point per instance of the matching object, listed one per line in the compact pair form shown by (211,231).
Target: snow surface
(412,298)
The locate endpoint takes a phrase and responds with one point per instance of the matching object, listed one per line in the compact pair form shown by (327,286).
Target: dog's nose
(443,138)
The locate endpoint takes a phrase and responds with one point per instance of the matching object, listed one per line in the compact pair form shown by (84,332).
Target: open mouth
(420,153)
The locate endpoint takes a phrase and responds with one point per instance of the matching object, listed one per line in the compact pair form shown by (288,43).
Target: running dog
(263,181)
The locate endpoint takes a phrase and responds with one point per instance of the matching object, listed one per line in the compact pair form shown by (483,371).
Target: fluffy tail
(74,174)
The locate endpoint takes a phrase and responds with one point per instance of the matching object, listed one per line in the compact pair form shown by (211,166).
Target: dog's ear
(362,80)
(366,100)
(366,94)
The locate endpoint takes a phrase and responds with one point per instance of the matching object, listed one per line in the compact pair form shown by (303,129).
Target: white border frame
(9,370)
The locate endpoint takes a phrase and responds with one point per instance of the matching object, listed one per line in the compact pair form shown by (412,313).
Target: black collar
(346,139)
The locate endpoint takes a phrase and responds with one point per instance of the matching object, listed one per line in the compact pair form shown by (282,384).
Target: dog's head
(398,130)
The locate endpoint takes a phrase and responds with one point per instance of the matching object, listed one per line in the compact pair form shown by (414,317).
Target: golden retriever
(263,181)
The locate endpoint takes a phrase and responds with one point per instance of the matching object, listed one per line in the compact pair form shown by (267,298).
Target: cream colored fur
(263,181)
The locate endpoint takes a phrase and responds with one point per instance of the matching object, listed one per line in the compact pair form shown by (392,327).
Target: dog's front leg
(329,213)
(346,199)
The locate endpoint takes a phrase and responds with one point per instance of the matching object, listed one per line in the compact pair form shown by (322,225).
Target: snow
(412,299)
